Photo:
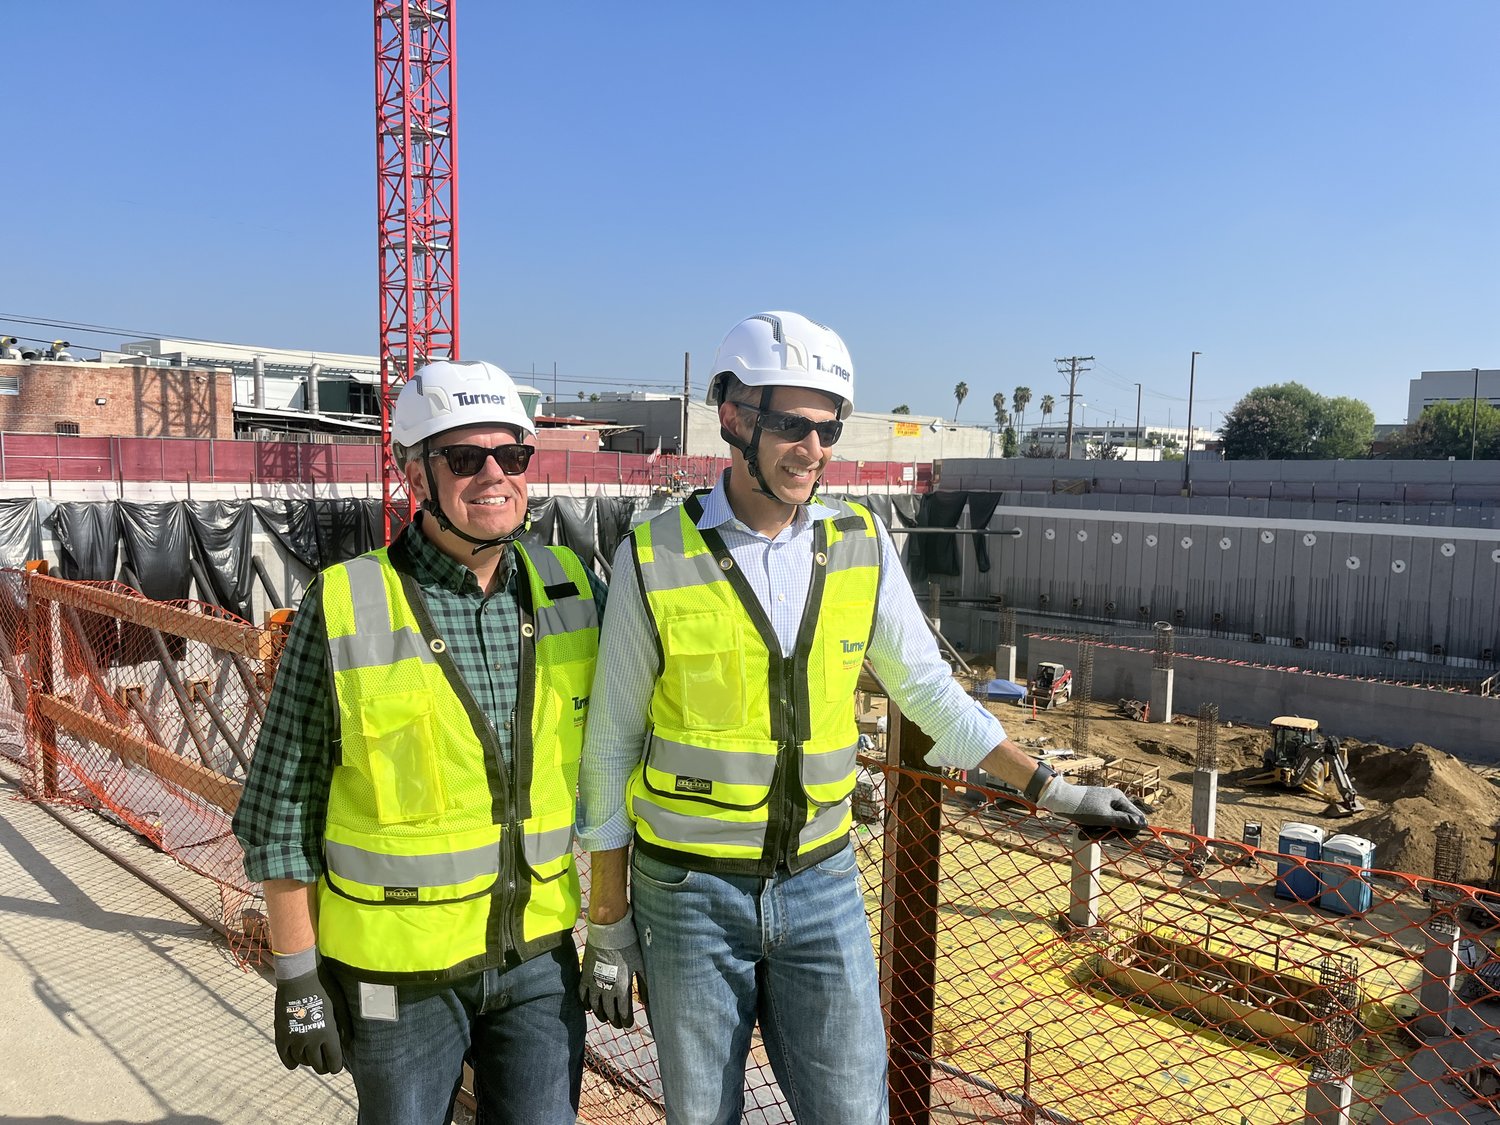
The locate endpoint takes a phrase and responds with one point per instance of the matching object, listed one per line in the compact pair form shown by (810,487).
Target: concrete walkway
(118,1007)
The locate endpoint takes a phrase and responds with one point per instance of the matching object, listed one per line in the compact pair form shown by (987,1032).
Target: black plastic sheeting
(20,531)
(88,541)
(166,544)
(157,553)
(221,542)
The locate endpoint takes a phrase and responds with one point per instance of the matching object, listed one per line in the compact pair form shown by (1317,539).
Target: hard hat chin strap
(435,509)
(751,451)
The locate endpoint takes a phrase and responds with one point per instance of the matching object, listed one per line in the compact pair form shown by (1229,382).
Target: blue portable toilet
(1345,892)
(1294,880)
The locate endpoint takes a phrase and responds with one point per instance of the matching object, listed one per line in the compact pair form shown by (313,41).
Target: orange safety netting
(1026,975)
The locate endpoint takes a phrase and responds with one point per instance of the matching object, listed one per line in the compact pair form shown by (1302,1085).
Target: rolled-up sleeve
(905,655)
(284,806)
(619,710)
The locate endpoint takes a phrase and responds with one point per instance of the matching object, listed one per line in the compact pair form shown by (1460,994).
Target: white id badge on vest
(377,1001)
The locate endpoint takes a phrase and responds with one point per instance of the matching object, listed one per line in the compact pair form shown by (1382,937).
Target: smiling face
(791,468)
(487,505)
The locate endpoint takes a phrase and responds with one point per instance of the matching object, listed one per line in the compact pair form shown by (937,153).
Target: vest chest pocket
(706,670)
(400,754)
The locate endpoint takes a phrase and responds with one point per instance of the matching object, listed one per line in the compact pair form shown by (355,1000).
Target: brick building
(131,400)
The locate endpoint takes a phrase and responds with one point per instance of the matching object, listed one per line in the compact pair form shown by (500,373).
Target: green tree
(1286,421)
(1445,429)
(1048,404)
(1020,401)
(960,393)
(902,409)
(1001,417)
(1344,427)
(1008,449)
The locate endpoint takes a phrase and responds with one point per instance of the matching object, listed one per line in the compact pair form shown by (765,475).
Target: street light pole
(1187,452)
(1137,418)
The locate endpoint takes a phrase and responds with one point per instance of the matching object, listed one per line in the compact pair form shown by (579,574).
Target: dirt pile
(1407,792)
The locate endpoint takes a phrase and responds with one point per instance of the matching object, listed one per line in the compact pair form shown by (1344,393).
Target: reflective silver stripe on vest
(672,569)
(855,548)
(373,644)
(542,847)
(727,766)
(569,614)
(376,869)
(825,822)
(829,767)
(693,831)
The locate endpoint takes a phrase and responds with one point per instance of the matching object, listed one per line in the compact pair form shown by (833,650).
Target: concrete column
(1329,1097)
(1439,975)
(1084,890)
(1205,801)
(1005,662)
(1161,694)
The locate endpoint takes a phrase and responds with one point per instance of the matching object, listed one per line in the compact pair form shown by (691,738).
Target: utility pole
(1474,419)
(1187,452)
(1072,373)
(1138,418)
(686,390)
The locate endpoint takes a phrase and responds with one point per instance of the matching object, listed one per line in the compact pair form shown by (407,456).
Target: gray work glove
(1097,810)
(611,958)
(308,1001)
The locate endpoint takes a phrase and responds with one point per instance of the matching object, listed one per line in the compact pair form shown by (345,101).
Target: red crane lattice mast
(418,201)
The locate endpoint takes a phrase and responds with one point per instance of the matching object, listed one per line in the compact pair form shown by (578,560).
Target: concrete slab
(119,1007)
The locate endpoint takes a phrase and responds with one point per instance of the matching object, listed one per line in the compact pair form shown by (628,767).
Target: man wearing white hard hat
(410,807)
(720,758)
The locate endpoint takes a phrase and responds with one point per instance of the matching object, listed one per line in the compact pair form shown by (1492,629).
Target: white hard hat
(785,349)
(445,395)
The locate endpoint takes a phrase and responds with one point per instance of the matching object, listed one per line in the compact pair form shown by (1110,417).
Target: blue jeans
(521,1028)
(722,951)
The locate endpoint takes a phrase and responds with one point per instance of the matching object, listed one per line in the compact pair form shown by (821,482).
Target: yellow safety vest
(750,760)
(439,861)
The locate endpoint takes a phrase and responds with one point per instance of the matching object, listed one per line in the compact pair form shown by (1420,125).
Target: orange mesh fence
(145,710)
(1031,976)
(1026,975)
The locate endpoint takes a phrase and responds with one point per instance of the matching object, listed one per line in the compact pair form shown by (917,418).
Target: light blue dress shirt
(902,649)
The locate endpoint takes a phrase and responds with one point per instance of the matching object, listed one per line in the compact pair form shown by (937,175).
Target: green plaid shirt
(282,810)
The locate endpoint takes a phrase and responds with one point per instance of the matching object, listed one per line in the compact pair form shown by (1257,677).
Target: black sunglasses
(466,460)
(794,427)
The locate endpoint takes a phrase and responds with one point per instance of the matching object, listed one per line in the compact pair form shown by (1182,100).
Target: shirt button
(781,597)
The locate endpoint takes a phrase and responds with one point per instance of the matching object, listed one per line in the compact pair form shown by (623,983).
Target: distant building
(285,391)
(647,419)
(1451,386)
(1054,439)
(86,399)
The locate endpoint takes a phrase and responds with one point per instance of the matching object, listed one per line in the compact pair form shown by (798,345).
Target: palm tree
(1000,415)
(1048,402)
(1019,402)
(960,392)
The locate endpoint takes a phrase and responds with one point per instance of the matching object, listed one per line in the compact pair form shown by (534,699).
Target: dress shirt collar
(717,512)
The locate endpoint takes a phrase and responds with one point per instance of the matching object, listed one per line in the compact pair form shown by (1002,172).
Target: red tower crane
(418,202)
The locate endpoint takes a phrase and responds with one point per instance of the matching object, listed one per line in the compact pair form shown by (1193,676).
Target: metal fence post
(908,928)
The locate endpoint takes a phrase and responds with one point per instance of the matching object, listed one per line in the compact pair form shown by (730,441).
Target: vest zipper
(781,811)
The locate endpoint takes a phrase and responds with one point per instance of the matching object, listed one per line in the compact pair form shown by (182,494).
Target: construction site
(1291,665)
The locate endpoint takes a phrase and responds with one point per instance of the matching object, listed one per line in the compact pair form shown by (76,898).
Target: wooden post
(908,934)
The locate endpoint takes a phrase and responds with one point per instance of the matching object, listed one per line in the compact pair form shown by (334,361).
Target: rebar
(1163,656)
(1083,696)
(1208,737)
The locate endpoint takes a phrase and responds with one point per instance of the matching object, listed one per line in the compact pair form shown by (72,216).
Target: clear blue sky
(965,191)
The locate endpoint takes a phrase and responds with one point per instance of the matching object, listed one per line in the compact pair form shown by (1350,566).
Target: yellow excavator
(1301,758)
